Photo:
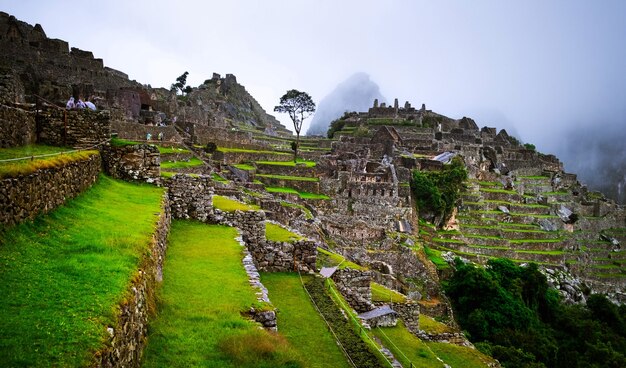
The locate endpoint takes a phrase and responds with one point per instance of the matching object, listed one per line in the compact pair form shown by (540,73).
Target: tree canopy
(180,84)
(299,106)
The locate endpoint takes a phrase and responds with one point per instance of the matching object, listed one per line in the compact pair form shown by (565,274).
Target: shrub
(529,146)
(210,147)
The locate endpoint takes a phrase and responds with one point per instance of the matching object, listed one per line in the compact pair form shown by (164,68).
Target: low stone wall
(283,256)
(24,197)
(73,128)
(139,132)
(410,315)
(191,197)
(128,337)
(250,223)
(355,287)
(229,158)
(139,162)
(17,127)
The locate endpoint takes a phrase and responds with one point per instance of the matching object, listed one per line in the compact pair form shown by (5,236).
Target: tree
(299,106)
(180,84)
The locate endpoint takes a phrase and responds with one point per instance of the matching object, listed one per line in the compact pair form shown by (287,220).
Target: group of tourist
(80,104)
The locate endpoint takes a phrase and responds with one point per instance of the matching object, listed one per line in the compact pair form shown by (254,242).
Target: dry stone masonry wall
(26,196)
(73,128)
(139,162)
(191,197)
(17,127)
(127,338)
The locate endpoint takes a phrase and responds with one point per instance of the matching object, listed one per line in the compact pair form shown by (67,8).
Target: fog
(354,94)
(551,72)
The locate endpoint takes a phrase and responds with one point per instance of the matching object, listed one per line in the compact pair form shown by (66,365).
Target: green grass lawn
(329,259)
(288,177)
(300,323)
(28,166)
(429,325)
(243,150)
(218,178)
(205,288)
(407,348)
(381,293)
(277,233)
(303,195)
(167,150)
(246,167)
(63,276)
(193,162)
(287,163)
(231,205)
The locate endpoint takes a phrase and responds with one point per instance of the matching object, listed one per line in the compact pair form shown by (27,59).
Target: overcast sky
(533,67)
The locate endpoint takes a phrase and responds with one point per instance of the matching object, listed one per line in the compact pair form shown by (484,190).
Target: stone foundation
(127,339)
(24,197)
(139,163)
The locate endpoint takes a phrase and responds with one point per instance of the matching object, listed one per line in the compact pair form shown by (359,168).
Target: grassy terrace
(330,259)
(246,167)
(411,351)
(231,205)
(193,162)
(277,233)
(303,195)
(170,150)
(287,163)
(28,166)
(63,275)
(307,212)
(303,327)
(243,150)
(205,289)
(381,293)
(288,177)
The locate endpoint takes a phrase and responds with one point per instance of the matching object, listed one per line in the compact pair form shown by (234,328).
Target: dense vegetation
(436,192)
(510,313)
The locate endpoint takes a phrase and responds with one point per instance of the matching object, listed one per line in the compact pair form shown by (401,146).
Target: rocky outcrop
(26,196)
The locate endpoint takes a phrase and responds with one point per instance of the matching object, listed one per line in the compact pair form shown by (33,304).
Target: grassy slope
(277,233)
(204,289)
(231,205)
(423,354)
(300,323)
(193,162)
(62,277)
(25,167)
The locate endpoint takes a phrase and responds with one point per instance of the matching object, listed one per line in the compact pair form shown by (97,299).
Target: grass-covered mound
(192,162)
(63,276)
(205,289)
(300,323)
(54,157)
(231,205)
(277,233)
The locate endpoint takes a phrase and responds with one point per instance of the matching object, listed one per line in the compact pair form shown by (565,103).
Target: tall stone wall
(191,197)
(73,128)
(26,196)
(139,162)
(127,338)
(17,126)
(139,132)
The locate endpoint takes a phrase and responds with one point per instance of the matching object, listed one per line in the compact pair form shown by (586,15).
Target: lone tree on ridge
(299,106)
(180,84)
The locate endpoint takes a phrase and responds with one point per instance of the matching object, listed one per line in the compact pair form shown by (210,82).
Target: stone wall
(127,339)
(410,315)
(355,287)
(73,128)
(229,158)
(250,223)
(139,162)
(17,127)
(299,185)
(190,197)
(138,132)
(273,256)
(26,196)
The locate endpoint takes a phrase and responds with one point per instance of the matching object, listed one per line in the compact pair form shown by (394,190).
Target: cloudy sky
(535,67)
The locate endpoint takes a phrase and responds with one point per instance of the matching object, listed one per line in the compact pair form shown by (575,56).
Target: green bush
(436,192)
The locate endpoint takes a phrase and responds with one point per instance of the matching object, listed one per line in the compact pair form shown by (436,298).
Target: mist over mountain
(354,94)
(598,155)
